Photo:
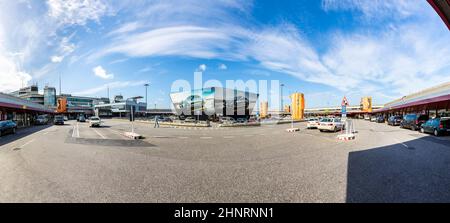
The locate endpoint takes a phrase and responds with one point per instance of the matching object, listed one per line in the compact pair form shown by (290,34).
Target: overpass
(336,110)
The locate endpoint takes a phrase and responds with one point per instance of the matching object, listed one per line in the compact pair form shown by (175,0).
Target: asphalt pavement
(76,163)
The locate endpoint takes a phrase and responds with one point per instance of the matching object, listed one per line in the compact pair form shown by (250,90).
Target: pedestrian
(156,122)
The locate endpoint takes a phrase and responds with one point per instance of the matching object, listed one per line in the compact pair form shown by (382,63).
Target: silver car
(331,124)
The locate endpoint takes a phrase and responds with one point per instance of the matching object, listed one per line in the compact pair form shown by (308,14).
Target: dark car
(81,118)
(436,126)
(41,120)
(59,120)
(413,121)
(380,119)
(7,127)
(164,119)
(395,120)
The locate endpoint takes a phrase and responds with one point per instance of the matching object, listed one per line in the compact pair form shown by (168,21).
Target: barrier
(349,133)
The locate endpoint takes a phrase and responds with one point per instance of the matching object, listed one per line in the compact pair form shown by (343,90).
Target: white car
(331,124)
(95,121)
(312,123)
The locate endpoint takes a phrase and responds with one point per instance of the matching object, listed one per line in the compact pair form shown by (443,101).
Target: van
(413,121)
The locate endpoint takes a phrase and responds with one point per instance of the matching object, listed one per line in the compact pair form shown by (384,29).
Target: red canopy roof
(442,7)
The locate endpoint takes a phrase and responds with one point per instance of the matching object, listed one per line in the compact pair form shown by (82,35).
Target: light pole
(146,96)
(281,88)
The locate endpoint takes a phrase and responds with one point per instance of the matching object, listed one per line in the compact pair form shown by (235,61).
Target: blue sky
(323,48)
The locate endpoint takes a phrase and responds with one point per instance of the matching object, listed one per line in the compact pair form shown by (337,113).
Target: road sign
(344,107)
(345,101)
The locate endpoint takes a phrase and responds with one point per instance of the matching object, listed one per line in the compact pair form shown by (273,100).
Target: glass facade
(50,97)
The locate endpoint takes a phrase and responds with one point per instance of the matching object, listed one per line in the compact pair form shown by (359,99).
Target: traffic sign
(345,101)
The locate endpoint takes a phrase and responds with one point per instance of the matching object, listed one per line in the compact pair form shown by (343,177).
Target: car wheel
(335,129)
(320,130)
(436,133)
(422,130)
(14,131)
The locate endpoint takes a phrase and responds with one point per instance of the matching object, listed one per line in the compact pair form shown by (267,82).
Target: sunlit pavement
(76,163)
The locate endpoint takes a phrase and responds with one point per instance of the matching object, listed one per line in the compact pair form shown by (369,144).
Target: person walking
(156,122)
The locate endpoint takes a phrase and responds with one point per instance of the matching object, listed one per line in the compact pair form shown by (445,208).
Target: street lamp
(146,97)
(282,106)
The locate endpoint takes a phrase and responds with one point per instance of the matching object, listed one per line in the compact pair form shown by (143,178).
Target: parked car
(241,120)
(331,124)
(189,119)
(164,119)
(380,119)
(395,120)
(59,120)
(81,118)
(312,123)
(367,118)
(373,118)
(7,127)
(436,126)
(95,121)
(252,119)
(41,120)
(227,120)
(66,118)
(413,121)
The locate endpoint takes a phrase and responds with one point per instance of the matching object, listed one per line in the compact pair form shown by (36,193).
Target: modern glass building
(50,97)
(214,101)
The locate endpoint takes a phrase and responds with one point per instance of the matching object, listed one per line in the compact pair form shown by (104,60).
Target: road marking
(27,143)
(73,132)
(403,144)
(248,135)
(118,133)
(78,130)
(183,137)
(228,137)
(205,137)
(98,133)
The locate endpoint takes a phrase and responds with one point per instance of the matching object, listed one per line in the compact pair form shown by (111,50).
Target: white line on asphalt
(27,143)
(205,137)
(78,131)
(73,132)
(228,137)
(403,144)
(183,137)
(118,133)
(98,133)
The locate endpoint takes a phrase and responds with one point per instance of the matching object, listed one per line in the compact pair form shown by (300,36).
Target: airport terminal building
(20,110)
(214,102)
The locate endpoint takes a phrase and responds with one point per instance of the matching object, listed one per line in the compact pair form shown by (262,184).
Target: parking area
(76,163)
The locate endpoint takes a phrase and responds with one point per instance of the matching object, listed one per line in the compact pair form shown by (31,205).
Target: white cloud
(76,12)
(198,42)
(378,9)
(112,85)
(100,72)
(57,59)
(201,68)
(222,66)
(11,78)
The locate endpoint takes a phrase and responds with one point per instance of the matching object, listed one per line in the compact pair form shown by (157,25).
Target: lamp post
(146,96)
(281,91)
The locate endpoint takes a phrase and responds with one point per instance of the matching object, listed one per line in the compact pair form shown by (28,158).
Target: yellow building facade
(298,106)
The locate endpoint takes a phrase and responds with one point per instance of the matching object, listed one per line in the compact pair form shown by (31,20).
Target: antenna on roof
(59,83)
